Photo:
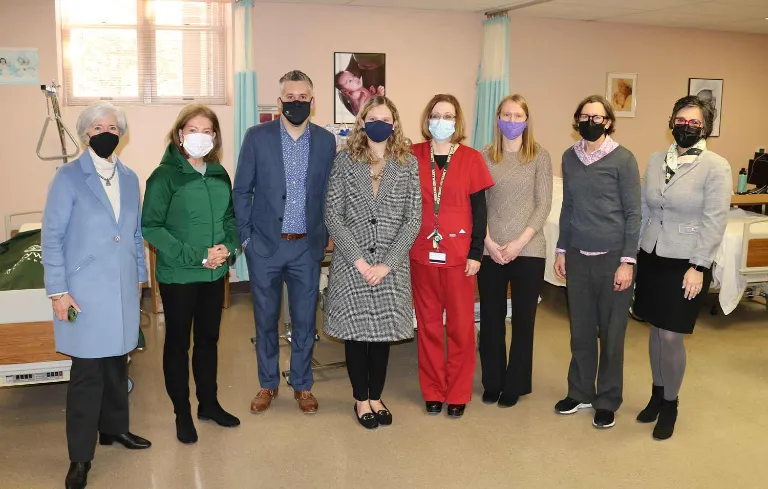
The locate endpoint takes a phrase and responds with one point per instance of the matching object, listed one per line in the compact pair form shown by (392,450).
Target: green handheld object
(71,314)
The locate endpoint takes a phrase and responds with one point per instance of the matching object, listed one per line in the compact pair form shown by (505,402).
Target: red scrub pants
(445,377)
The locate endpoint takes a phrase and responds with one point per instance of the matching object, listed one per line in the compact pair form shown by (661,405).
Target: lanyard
(437,192)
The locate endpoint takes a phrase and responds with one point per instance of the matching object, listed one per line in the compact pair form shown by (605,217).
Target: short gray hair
(295,76)
(96,112)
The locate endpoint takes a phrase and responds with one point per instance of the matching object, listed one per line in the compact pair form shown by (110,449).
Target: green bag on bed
(21,262)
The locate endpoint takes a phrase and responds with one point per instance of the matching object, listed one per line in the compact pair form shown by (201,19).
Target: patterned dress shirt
(296,162)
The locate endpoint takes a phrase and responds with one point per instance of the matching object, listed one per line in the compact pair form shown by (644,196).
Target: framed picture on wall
(621,92)
(710,89)
(356,78)
(268,113)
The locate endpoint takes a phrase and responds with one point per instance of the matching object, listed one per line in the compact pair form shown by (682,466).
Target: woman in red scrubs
(446,255)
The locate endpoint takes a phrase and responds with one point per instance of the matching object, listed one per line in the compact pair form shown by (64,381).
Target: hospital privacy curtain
(246,100)
(492,79)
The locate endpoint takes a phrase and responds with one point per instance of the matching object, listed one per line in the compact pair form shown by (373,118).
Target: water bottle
(742,187)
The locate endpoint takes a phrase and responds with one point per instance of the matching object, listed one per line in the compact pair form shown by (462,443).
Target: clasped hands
(372,274)
(503,254)
(217,256)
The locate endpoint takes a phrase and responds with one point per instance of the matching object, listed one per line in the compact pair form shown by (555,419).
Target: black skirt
(659,296)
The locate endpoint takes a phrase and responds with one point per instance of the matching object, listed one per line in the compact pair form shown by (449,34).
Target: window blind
(144,51)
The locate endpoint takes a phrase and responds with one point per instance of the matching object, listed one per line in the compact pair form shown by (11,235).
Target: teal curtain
(492,78)
(246,99)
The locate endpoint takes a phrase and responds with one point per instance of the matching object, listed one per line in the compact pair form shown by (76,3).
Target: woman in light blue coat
(93,256)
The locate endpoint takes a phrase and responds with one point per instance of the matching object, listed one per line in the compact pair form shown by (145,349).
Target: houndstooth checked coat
(381,230)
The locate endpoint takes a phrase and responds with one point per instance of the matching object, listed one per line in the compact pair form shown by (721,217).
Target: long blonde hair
(528,150)
(398,146)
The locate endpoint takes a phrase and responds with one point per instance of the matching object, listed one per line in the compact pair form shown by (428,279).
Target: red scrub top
(467,174)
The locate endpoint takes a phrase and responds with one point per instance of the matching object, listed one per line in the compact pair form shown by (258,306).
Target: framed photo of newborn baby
(356,78)
(621,92)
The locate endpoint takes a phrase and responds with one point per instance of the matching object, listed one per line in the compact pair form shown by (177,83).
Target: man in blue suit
(279,198)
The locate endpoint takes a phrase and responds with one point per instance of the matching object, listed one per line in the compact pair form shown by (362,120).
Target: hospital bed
(737,260)
(27,351)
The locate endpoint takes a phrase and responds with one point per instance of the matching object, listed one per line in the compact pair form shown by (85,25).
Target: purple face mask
(511,129)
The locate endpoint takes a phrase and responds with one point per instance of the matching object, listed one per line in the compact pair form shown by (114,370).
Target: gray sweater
(601,203)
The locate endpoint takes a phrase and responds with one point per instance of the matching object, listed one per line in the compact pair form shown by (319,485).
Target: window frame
(146,63)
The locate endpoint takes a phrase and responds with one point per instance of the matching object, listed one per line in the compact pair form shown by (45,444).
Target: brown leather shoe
(307,402)
(263,400)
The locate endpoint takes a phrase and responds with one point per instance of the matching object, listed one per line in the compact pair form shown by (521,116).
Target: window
(144,51)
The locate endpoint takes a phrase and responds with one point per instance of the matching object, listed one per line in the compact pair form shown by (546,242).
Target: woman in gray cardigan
(599,229)
(373,213)
(686,196)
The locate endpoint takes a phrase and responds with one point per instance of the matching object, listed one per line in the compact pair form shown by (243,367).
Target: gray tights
(667,360)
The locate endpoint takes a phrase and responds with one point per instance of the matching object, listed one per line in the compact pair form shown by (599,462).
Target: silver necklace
(108,180)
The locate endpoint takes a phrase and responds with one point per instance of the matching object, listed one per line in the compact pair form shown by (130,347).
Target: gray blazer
(381,230)
(686,217)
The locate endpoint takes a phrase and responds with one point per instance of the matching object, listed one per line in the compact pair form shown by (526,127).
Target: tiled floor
(721,439)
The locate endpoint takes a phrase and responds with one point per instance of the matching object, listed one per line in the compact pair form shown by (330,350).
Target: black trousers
(97,401)
(526,276)
(367,368)
(599,315)
(200,304)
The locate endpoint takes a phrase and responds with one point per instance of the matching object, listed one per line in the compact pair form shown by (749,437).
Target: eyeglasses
(692,123)
(445,117)
(596,119)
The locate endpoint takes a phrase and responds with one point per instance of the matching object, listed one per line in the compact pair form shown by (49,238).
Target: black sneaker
(570,406)
(490,397)
(603,419)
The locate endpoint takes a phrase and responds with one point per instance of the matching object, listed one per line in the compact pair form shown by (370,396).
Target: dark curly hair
(707,109)
(596,99)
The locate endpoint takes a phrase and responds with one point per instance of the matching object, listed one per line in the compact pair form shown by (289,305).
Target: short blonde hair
(460,134)
(188,113)
(398,146)
(96,112)
(528,150)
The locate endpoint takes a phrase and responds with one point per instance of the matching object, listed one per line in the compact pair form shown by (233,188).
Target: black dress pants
(526,276)
(200,304)
(367,368)
(97,401)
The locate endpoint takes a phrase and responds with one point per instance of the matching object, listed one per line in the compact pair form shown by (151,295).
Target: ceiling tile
(568,10)
(725,11)
(749,3)
(661,18)
(459,5)
(644,5)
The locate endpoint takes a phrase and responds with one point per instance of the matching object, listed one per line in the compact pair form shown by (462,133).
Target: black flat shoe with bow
(383,416)
(367,420)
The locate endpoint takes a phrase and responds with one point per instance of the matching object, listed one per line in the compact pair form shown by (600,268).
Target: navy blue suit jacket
(259,190)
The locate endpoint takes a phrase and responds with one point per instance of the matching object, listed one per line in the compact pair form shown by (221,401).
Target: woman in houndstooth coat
(373,213)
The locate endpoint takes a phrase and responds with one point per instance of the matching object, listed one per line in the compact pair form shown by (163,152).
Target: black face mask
(685,136)
(296,111)
(104,144)
(591,131)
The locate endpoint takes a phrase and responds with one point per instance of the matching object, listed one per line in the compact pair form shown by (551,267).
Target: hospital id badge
(437,258)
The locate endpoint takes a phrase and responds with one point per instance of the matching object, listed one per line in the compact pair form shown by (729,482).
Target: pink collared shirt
(588,158)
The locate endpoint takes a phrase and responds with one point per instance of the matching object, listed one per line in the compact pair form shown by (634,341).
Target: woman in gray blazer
(93,258)
(686,196)
(373,213)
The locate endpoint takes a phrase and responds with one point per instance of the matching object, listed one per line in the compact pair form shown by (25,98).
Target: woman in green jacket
(188,217)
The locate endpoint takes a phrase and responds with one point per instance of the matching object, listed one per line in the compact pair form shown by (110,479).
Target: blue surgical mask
(441,129)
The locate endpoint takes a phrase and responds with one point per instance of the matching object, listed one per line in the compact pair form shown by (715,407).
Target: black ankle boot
(185,429)
(214,412)
(651,411)
(665,426)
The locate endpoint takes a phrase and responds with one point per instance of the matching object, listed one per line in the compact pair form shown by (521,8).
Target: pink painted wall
(555,64)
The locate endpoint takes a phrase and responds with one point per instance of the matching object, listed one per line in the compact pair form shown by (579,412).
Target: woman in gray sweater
(599,230)
(515,249)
